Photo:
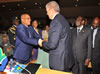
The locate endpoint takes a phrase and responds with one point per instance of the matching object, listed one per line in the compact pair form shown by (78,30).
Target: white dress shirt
(55,15)
(79,28)
(94,34)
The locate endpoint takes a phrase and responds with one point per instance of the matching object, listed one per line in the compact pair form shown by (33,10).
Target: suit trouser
(79,67)
(35,54)
(96,67)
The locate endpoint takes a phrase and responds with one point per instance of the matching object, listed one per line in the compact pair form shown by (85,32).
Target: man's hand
(45,40)
(40,42)
(87,62)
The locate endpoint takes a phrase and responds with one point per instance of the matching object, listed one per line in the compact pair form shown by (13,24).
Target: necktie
(29,32)
(78,31)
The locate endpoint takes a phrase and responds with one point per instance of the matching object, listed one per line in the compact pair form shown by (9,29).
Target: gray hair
(54,5)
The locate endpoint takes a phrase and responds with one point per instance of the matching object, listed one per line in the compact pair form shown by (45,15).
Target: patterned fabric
(2,56)
(13,29)
(3,60)
(11,34)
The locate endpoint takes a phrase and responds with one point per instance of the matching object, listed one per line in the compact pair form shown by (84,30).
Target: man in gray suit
(81,45)
(59,40)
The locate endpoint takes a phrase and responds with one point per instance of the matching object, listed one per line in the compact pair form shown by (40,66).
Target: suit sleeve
(20,32)
(89,45)
(11,37)
(54,36)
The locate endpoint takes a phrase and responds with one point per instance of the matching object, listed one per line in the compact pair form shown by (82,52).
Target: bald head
(25,19)
(96,22)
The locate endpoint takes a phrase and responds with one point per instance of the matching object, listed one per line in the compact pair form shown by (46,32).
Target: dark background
(36,8)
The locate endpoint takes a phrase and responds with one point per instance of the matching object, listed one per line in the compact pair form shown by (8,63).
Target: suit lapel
(26,30)
(98,31)
(83,30)
(75,33)
(81,33)
(97,34)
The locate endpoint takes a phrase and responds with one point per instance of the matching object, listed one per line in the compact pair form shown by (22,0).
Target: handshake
(40,41)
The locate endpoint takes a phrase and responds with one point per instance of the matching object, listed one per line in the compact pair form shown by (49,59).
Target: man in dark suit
(24,40)
(96,45)
(59,40)
(81,45)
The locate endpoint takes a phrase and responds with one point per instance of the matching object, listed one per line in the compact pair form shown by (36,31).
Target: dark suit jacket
(59,44)
(96,50)
(81,44)
(24,43)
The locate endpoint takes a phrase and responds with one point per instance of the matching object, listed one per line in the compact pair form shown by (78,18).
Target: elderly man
(81,45)
(24,40)
(59,40)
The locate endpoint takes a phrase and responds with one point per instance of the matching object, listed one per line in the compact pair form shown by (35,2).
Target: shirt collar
(93,28)
(80,27)
(55,15)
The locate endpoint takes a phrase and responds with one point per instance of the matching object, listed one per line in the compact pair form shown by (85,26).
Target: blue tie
(29,32)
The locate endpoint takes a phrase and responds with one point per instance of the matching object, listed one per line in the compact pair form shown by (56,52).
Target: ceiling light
(35,3)
(24,8)
(10,9)
(98,3)
(77,0)
(18,4)
(76,5)
(3,5)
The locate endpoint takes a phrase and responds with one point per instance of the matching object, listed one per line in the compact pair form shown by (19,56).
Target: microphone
(24,68)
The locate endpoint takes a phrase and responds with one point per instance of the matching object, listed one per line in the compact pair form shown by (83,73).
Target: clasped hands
(40,42)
